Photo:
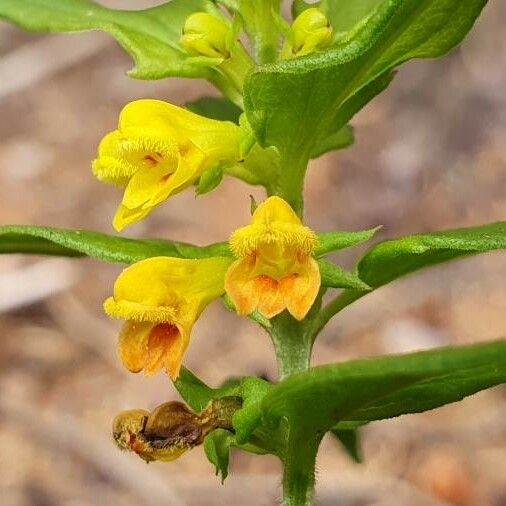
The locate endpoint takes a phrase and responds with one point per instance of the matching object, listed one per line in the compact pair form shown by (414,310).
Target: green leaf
(341,139)
(261,167)
(332,241)
(109,248)
(334,276)
(308,93)
(343,15)
(384,387)
(247,419)
(217,446)
(197,394)
(209,180)
(150,36)
(260,21)
(220,109)
(350,440)
(390,260)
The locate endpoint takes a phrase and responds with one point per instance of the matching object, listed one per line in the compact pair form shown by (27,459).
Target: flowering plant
(290,89)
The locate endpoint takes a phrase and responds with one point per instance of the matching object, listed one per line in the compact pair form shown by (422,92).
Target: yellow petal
(125,217)
(132,347)
(271,301)
(250,292)
(151,347)
(218,139)
(275,209)
(110,166)
(300,289)
(165,349)
(274,222)
(240,286)
(161,298)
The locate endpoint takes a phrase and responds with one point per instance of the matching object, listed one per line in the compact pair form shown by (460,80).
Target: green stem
(299,470)
(291,179)
(237,66)
(293,349)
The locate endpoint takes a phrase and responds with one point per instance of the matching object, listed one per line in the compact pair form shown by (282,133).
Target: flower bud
(206,35)
(311,32)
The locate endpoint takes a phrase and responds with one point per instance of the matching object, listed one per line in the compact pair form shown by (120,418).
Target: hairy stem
(293,349)
(291,179)
(299,470)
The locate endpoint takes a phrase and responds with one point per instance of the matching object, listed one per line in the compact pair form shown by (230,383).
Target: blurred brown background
(430,154)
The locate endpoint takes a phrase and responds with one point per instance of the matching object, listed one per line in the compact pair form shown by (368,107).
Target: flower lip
(247,240)
(274,222)
(139,312)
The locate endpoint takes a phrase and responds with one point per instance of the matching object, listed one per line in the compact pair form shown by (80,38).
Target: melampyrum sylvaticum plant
(290,88)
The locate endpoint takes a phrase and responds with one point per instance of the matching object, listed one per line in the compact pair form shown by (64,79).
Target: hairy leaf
(197,394)
(333,276)
(390,260)
(308,93)
(332,241)
(150,36)
(384,387)
(109,248)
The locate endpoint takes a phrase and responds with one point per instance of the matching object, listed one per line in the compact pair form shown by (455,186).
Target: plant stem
(293,349)
(291,179)
(299,470)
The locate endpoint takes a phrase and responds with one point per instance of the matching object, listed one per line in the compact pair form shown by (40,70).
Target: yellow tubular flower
(206,35)
(275,269)
(311,32)
(159,150)
(161,298)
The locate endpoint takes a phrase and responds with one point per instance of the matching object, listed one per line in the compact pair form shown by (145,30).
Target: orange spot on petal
(161,340)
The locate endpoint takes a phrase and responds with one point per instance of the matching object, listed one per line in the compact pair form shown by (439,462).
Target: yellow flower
(310,32)
(159,150)
(206,35)
(275,269)
(161,298)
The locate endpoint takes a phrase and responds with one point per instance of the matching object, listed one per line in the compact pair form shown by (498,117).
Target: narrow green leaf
(334,276)
(350,440)
(150,36)
(197,394)
(390,260)
(332,241)
(114,249)
(308,93)
(220,109)
(384,387)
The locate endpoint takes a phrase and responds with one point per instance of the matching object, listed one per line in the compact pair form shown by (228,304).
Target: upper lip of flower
(248,239)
